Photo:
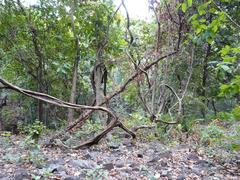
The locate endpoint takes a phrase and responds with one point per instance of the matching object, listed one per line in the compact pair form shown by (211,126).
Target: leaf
(224,51)
(229,59)
(189,3)
(184,7)
(226,68)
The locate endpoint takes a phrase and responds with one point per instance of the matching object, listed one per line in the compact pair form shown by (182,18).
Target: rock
(133,165)
(85,164)
(119,163)
(193,156)
(166,154)
(163,164)
(204,163)
(55,168)
(91,155)
(108,166)
(21,174)
(156,146)
(114,146)
(154,159)
(135,169)
(149,152)
(164,173)
(157,176)
(197,171)
(127,170)
(127,143)
(62,174)
(3,177)
(71,178)
(181,177)
(100,162)
(56,161)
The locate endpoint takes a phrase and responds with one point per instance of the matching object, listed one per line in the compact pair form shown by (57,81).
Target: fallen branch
(135,129)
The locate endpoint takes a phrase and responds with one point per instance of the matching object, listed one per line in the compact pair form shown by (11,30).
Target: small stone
(62,173)
(108,166)
(100,162)
(154,159)
(196,171)
(163,164)
(181,177)
(204,163)
(85,164)
(135,169)
(5,178)
(114,146)
(167,154)
(21,174)
(164,173)
(127,143)
(55,168)
(56,161)
(71,178)
(132,165)
(193,157)
(92,155)
(119,163)
(157,176)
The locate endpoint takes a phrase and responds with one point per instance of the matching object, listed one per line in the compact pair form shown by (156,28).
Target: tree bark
(204,79)
(75,68)
(99,83)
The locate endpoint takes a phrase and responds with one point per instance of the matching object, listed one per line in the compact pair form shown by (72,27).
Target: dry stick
(135,129)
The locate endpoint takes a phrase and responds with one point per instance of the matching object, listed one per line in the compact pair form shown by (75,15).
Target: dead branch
(52,100)
(135,129)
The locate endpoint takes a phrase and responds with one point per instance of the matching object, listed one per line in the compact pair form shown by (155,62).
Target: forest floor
(124,159)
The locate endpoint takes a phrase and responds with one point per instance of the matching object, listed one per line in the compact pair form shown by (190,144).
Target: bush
(211,133)
(33,131)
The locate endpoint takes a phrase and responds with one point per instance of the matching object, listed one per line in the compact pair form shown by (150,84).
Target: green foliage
(89,128)
(6,134)
(33,152)
(137,119)
(33,131)
(231,89)
(211,134)
(236,113)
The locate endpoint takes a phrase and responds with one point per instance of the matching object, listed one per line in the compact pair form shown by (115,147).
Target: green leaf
(184,7)
(224,51)
(229,59)
(189,3)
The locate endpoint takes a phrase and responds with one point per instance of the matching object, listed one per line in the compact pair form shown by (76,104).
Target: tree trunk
(40,71)
(204,79)
(75,69)
(99,84)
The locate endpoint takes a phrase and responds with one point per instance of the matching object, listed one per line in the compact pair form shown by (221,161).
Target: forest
(87,91)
